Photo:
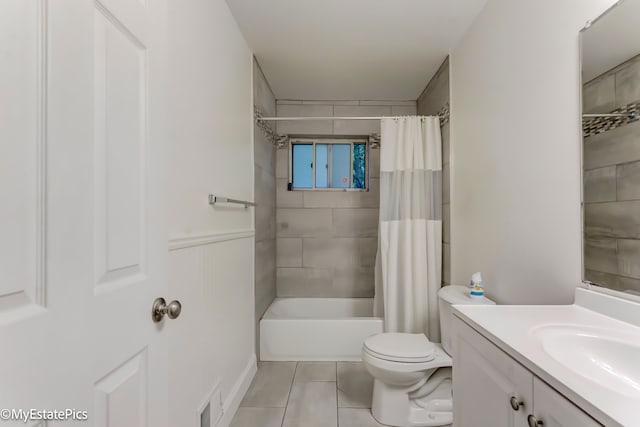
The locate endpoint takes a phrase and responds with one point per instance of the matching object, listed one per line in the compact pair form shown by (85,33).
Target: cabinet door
(484,381)
(554,410)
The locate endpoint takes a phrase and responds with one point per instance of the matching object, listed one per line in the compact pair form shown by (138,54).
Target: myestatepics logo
(26,415)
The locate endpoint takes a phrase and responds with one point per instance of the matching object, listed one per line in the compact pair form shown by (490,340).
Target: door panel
(484,381)
(122,394)
(554,410)
(120,133)
(22,103)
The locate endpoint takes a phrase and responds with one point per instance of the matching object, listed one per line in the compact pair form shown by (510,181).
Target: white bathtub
(317,329)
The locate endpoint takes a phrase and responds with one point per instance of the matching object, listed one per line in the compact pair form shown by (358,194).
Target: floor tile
(271,385)
(258,417)
(355,385)
(312,404)
(354,417)
(315,371)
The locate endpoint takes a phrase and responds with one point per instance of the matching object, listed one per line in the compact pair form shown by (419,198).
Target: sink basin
(607,357)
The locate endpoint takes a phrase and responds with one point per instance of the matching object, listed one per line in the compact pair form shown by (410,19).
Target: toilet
(412,376)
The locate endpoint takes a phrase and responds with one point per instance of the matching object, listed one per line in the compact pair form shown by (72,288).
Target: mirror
(611,148)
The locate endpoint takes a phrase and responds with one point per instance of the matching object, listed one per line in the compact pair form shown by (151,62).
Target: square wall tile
(282,163)
(353,282)
(628,83)
(615,219)
(265,222)
(446,223)
(446,263)
(628,180)
(355,222)
(374,163)
(600,184)
(368,250)
(310,127)
(601,255)
(340,252)
(304,222)
(289,252)
(619,145)
(446,145)
(344,199)
(599,95)
(629,258)
(304,282)
(358,127)
(286,198)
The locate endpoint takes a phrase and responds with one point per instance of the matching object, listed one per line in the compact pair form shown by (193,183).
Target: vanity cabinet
(492,389)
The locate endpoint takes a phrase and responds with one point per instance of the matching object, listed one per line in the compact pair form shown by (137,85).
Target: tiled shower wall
(612,183)
(327,241)
(432,100)
(265,197)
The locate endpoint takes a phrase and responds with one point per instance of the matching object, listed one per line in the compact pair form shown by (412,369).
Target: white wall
(211,272)
(515,149)
(211,117)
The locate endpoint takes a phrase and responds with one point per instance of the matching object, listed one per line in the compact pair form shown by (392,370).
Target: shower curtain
(409,258)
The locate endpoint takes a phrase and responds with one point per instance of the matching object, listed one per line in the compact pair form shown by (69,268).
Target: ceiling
(611,40)
(352,49)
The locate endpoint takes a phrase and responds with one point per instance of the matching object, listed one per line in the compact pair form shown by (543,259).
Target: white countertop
(509,328)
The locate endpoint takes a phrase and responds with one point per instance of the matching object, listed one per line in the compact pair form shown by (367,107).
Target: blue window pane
(359,165)
(322,166)
(341,166)
(302,166)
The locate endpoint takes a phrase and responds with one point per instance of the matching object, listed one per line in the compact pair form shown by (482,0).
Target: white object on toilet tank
(448,296)
(477,286)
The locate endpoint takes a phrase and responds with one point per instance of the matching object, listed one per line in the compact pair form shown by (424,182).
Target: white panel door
(554,410)
(82,228)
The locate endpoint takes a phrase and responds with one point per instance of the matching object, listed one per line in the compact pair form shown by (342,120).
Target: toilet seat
(400,347)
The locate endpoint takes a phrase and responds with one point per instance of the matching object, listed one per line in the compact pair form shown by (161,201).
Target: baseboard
(232,401)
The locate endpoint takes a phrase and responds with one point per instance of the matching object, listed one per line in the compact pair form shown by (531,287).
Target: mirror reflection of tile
(611,150)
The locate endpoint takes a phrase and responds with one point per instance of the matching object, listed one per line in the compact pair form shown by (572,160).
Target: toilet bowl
(412,376)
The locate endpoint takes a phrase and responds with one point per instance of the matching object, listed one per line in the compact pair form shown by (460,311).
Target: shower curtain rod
(275,119)
(631,115)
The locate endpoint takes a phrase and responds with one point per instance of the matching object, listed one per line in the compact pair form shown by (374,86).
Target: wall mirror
(610,48)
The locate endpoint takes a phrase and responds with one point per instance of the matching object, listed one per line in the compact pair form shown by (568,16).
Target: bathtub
(317,329)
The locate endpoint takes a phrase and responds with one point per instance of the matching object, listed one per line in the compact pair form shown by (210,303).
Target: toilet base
(394,406)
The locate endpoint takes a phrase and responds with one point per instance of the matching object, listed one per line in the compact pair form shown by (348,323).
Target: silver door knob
(161,308)
(534,422)
(515,403)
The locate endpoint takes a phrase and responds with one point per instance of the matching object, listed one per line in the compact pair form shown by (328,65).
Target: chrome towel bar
(217,199)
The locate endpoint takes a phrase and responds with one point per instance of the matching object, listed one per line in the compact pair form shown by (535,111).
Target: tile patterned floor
(308,394)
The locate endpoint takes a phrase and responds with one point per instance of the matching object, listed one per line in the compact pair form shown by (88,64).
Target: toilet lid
(400,347)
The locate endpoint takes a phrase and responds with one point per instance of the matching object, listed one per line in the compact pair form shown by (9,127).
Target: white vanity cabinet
(492,389)
(554,410)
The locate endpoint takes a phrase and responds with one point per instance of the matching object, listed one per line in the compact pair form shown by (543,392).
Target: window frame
(351,141)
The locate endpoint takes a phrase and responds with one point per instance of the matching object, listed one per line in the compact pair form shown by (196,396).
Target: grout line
(289,395)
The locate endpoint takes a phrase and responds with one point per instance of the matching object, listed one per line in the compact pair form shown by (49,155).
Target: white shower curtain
(409,258)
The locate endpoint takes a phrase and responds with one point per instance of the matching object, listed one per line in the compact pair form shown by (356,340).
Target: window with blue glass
(331,164)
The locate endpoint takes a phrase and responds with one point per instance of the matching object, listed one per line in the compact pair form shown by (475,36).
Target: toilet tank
(448,296)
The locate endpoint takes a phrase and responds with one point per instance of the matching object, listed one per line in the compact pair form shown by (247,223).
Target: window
(328,164)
